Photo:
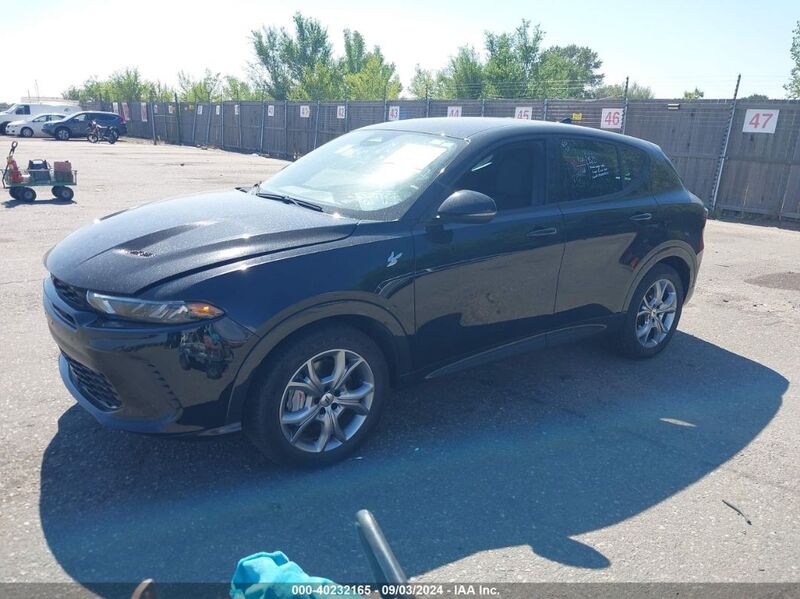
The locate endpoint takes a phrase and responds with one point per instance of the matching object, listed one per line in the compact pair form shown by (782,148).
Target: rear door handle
(642,216)
(542,232)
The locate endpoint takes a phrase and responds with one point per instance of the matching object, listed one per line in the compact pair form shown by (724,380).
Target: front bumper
(149,379)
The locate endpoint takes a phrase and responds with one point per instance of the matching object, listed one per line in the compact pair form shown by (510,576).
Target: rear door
(611,221)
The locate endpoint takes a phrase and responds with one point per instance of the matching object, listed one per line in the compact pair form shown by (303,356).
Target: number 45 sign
(760,121)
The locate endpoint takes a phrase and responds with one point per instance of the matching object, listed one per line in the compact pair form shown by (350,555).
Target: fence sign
(758,120)
(143,108)
(611,118)
(200,109)
(218,109)
(305,111)
(155,108)
(577,116)
(170,109)
(115,107)
(523,112)
(454,111)
(393,114)
(126,112)
(271,110)
(236,109)
(341,112)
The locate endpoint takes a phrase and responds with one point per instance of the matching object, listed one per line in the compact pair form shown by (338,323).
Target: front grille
(93,385)
(74,296)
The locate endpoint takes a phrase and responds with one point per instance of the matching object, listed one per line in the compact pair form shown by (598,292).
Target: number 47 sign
(760,121)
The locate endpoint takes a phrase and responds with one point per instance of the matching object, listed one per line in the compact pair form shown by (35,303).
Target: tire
(3,128)
(112,137)
(273,398)
(26,194)
(62,134)
(65,194)
(92,137)
(26,132)
(641,335)
(14,193)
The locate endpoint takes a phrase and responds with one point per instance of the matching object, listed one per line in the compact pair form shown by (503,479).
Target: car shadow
(531,451)
(51,202)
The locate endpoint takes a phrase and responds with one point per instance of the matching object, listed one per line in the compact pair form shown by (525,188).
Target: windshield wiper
(288,200)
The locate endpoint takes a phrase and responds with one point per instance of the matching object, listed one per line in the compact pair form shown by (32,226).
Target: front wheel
(26,132)
(65,194)
(318,398)
(62,134)
(92,137)
(653,314)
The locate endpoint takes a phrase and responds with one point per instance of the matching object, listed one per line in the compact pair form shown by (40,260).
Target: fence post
(153,120)
(625,107)
(544,110)
(286,127)
(483,106)
(385,110)
(194,126)
(263,122)
(222,125)
(346,116)
(724,153)
(208,126)
(316,125)
(178,116)
(427,103)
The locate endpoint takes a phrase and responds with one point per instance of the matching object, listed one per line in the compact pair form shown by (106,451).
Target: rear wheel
(62,134)
(113,136)
(318,398)
(92,137)
(26,132)
(653,314)
(63,193)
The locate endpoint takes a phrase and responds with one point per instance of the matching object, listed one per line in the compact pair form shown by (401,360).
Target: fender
(309,315)
(671,248)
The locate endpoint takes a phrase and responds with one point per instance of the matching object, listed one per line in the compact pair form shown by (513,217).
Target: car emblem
(392,259)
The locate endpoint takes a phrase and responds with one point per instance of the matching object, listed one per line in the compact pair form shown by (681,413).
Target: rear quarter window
(587,169)
(663,177)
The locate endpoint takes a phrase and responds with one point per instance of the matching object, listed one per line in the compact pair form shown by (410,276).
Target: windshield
(370,174)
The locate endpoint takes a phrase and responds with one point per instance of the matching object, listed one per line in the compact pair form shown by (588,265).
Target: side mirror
(467,206)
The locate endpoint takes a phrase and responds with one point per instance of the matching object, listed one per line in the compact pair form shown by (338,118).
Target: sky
(669,45)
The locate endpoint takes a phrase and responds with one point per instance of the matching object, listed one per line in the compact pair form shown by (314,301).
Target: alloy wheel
(656,314)
(327,401)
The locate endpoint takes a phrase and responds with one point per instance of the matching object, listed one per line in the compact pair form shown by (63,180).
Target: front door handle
(542,232)
(642,216)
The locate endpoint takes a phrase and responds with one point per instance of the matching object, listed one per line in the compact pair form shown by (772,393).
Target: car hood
(130,250)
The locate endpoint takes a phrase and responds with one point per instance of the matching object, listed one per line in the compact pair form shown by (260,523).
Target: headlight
(148,311)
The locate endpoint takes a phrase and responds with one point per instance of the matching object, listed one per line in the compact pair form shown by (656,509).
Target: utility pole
(625,107)
(724,153)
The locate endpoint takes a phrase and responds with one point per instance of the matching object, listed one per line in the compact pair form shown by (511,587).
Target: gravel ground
(572,465)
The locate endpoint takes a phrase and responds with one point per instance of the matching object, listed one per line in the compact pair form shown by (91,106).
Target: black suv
(79,124)
(400,251)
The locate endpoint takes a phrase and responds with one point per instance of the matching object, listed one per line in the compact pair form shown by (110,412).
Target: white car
(32,126)
(26,110)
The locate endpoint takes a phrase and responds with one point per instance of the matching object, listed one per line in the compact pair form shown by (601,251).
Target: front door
(478,286)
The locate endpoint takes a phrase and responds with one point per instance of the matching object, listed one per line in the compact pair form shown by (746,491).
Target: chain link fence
(721,155)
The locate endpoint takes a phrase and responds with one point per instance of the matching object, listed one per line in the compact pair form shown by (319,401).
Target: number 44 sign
(760,121)
(611,118)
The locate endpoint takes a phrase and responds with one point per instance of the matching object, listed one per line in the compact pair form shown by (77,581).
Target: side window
(664,178)
(634,164)
(513,176)
(23,109)
(40,119)
(588,169)
(79,118)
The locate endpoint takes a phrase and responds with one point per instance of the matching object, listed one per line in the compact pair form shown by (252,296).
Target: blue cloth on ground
(272,576)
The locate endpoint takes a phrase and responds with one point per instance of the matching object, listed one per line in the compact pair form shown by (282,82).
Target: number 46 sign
(760,121)
(611,118)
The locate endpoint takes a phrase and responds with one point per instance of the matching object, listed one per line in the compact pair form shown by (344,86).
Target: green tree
(284,58)
(355,52)
(322,81)
(756,98)
(237,89)
(694,94)
(205,89)
(568,72)
(793,86)
(374,80)
(512,60)
(423,84)
(617,90)
(463,77)
(127,85)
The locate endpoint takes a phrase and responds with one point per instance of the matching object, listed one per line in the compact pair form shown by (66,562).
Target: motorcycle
(98,132)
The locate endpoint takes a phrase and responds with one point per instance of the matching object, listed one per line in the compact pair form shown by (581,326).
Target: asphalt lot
(573,465)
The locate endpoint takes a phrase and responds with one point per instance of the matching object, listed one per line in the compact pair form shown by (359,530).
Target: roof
(467,127)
